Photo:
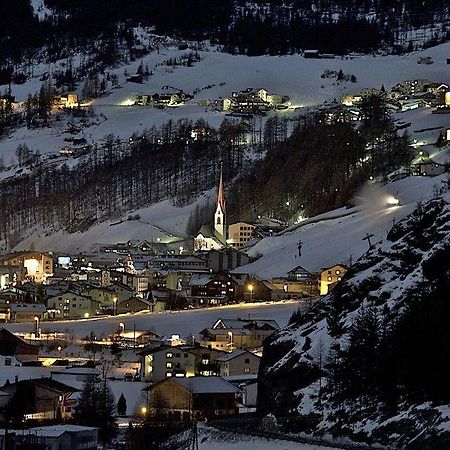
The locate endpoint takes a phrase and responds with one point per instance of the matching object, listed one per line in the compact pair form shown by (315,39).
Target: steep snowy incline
(330,241)
(365,360)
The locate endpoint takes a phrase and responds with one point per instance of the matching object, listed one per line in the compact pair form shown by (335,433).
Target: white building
(213,238)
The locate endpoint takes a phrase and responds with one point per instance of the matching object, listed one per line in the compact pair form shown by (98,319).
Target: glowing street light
(36,318)
(230,344)
(144,410)
(251,288)
(115,305)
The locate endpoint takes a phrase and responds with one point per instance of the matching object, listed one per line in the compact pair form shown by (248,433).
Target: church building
(213,238)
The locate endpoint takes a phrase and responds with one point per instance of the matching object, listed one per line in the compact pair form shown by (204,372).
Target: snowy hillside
(337,236)
(218,75)
(162,222)
(370,359)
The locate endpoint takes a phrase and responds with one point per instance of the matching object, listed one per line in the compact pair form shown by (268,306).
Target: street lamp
(121,327)
(115,305)
(144,411)
(36,318)
(230,344)
(250,288)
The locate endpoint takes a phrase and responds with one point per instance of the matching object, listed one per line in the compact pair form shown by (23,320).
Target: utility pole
(367,238)
(194,445)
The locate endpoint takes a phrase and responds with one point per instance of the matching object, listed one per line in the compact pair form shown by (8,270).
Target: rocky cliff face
(371,360)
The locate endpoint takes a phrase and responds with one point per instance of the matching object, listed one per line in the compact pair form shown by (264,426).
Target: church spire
(220,196)
(220,216)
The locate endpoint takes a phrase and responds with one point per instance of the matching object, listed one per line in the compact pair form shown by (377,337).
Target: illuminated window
(168,365)
(169,355)
(338,272)
(329,278)
(247,370)
(168,374)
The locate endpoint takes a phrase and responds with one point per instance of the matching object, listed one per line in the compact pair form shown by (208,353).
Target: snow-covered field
(185,323)
(209,438)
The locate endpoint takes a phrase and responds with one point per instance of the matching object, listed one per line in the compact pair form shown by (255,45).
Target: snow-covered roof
(53,430)
(28,307)
(206,385)
(200,279)
(234,354)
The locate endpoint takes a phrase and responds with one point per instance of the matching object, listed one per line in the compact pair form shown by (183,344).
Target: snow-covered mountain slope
(349,360)
(218,75)
(162,222)
(337,236)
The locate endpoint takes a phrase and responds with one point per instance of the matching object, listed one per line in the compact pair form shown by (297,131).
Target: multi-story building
(39,266)
(330,276)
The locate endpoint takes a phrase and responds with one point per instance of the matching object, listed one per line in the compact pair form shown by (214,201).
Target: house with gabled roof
(196,397)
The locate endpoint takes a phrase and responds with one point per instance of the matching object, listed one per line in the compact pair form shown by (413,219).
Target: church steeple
(219,216)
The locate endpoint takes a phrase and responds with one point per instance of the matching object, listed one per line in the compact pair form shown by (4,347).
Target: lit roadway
(185,323)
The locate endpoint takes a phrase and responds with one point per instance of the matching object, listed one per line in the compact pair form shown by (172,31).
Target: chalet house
(134,305)
(39,266)
(212,289)
(437,89)
(255,289)
(71,305)
(198,397)
(43,398)
(206,360)
(238,362)
(134,338)
(166,361)
(12,345)
(330,276)
(163,100)
(427,168)
(299,281)
(230,334)
(68,100)
(26,312)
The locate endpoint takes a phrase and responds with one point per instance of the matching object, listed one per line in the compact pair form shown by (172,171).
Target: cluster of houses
(151,276)
(247,102)
(214,375)
(251,101)
(406,96)
(163,100)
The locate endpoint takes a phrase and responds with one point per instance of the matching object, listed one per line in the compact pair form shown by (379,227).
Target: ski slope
(337,236)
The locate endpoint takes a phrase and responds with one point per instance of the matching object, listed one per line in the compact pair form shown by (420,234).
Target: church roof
(208,232)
